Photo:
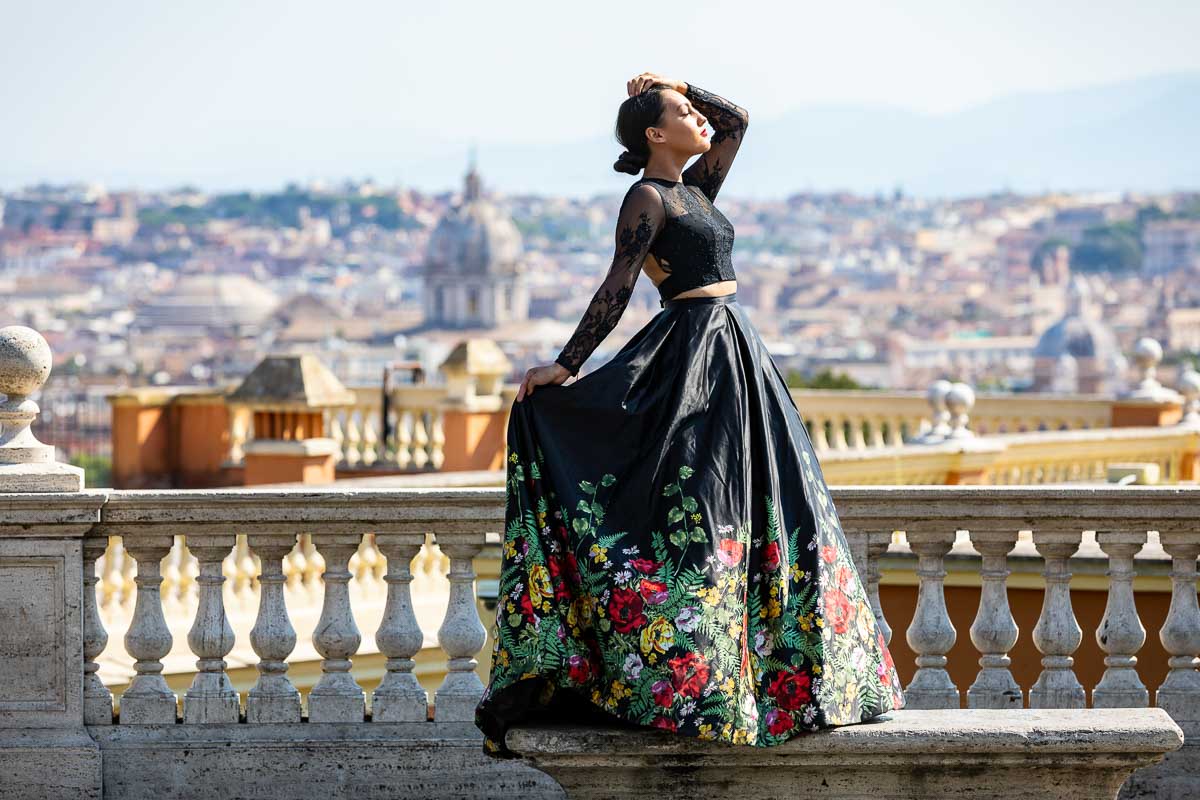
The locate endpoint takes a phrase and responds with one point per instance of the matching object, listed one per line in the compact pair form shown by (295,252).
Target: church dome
(474,238)
(210,301)
(1078,334)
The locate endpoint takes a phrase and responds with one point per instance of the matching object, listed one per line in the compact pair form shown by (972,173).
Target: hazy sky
(249,93)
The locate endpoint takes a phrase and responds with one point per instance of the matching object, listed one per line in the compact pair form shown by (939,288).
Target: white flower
(688,707)
(764,644)
(724,528)
(858,658)
(624,576)
(633,666)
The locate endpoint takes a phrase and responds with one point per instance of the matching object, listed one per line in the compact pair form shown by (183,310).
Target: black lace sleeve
(641,218)
(729,123)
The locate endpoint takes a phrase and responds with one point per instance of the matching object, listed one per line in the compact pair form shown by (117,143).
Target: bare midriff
(709,290)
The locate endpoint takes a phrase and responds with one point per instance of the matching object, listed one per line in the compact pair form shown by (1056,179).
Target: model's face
(681,126)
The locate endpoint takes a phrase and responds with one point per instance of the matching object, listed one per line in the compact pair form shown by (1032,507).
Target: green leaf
(674,515)
(519,472)
(514,620)
(686,471)
(608,480)
(678,538)
(597,509)
(588,487)
(689,503)
(698,535)
(604,624)
(580,525)
(670,490)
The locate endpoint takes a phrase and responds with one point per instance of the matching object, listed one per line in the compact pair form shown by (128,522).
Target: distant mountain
(1137,135)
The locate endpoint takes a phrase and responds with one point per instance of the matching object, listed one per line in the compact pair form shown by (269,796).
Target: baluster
(337,697)
(437,443)
(399,697)
(370,439)
(877,547)
(931,634)
(877,424)
(895,432)
(403,439)
(273,697)
(97,699)
(211,697)
(352,455)
(148,698)
(338,435)
(1057,634)
(462,634)
(819,441)
(838,432)
(1121,633)
(1179,694)
(420,439)
(994,631)
(857,441)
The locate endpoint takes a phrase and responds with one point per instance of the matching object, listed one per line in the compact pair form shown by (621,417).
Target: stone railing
(1025,459)
(331,527)
(863,420)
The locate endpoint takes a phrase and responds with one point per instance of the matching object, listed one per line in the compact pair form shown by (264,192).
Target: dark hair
(637,113)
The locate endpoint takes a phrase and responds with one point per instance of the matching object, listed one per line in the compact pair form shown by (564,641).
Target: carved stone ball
(1147,352)
(936,395)
(1189,384)
(25,361)
(960,397)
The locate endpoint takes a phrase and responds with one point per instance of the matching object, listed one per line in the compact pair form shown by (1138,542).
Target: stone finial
(25,362)
(959,401)
(1189,387)
(1147,353)
(939,416)
(27,465)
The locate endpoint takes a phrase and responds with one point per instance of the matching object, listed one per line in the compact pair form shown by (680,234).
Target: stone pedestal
(278,461)
(45,751)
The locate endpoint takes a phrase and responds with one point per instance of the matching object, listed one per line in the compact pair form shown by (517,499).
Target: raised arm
(641,218)
(729,123)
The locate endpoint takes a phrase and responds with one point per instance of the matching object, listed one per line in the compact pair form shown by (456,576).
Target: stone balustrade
(140,530)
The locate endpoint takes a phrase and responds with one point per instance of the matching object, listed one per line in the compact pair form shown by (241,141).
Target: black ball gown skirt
(672,557)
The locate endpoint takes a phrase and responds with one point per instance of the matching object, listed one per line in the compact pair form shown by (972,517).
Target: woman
(671,555)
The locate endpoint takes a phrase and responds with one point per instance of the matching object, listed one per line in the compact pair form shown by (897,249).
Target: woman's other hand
(536,376)
(645,80)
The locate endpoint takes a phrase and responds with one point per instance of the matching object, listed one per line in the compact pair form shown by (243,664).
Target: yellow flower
(598,553)
(510,549)
(502,658)
(820,622)
(725,730)
(735,629)
(658,636)
(709,595)
(797,573)
(727,686)
(739,736)
(816,669)
(539,582)
(706,732)
(695,517)
(773,608)
(513,457)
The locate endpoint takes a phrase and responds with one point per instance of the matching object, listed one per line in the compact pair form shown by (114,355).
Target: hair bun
(630,162)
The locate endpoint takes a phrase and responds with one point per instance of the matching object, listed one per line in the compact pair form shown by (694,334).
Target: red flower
(779,721)
(578,669)
(561,592)
(771,557)
(572,568)
(729,551)
(689,673)
(843,576)
(828,553)
(625,609)
(644,565)
(664,723)
(663,694)
(838,610)
(526,605)
(654,592)
(791,690)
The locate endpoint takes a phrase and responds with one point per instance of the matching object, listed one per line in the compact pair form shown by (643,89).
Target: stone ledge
(1068,754)
(329,761)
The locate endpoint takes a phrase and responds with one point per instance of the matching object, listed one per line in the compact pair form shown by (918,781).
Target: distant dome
(210,301)
(1078,334)
(474,238)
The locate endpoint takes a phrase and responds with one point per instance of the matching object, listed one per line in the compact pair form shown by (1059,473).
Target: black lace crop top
(676,222)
